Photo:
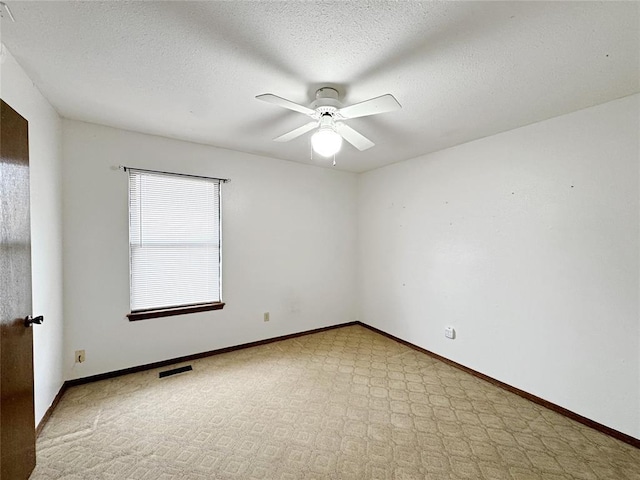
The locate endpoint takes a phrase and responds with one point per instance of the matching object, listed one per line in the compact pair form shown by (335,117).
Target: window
(174,244)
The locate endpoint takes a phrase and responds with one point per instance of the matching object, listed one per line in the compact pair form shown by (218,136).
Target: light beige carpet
(343,404)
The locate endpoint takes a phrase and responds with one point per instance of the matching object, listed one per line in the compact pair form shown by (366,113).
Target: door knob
(29,320)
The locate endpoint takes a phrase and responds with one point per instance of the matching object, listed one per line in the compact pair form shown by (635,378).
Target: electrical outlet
(266,316)
(79,356)
(450,332)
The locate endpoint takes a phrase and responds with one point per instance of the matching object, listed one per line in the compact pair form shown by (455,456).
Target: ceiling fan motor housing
(326,101)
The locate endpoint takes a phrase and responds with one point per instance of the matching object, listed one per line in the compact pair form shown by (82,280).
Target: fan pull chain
(334,159)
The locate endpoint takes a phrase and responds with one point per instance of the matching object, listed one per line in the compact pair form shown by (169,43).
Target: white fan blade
(353,137)
(283,102)
(373,106)
(296,133)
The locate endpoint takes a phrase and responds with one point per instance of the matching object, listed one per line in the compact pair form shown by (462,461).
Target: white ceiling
(191,70)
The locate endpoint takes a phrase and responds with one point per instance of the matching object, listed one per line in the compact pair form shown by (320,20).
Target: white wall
(289,249)
(46,226)
(527,243)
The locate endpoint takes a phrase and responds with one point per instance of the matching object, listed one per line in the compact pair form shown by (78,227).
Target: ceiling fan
(328,114)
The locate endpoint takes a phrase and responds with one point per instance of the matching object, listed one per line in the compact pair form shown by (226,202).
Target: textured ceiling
(191,70)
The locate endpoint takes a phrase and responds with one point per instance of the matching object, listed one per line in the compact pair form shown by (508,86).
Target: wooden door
(17,421)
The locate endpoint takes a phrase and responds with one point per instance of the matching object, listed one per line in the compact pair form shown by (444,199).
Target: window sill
(168,312)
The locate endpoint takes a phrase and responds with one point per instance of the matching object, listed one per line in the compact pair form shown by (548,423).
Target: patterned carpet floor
(346,403)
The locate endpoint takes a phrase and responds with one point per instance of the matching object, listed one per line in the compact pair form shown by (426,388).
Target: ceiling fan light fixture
(326,142)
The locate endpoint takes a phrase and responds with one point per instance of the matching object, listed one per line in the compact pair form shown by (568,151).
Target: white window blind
(174,240)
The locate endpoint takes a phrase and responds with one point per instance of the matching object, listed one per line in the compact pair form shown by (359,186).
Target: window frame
(168,312)
(144,314)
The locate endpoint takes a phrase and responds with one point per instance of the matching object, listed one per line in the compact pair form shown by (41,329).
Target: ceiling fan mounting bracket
(327,92)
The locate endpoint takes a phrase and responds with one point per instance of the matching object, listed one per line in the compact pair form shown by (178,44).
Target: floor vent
(174,371)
